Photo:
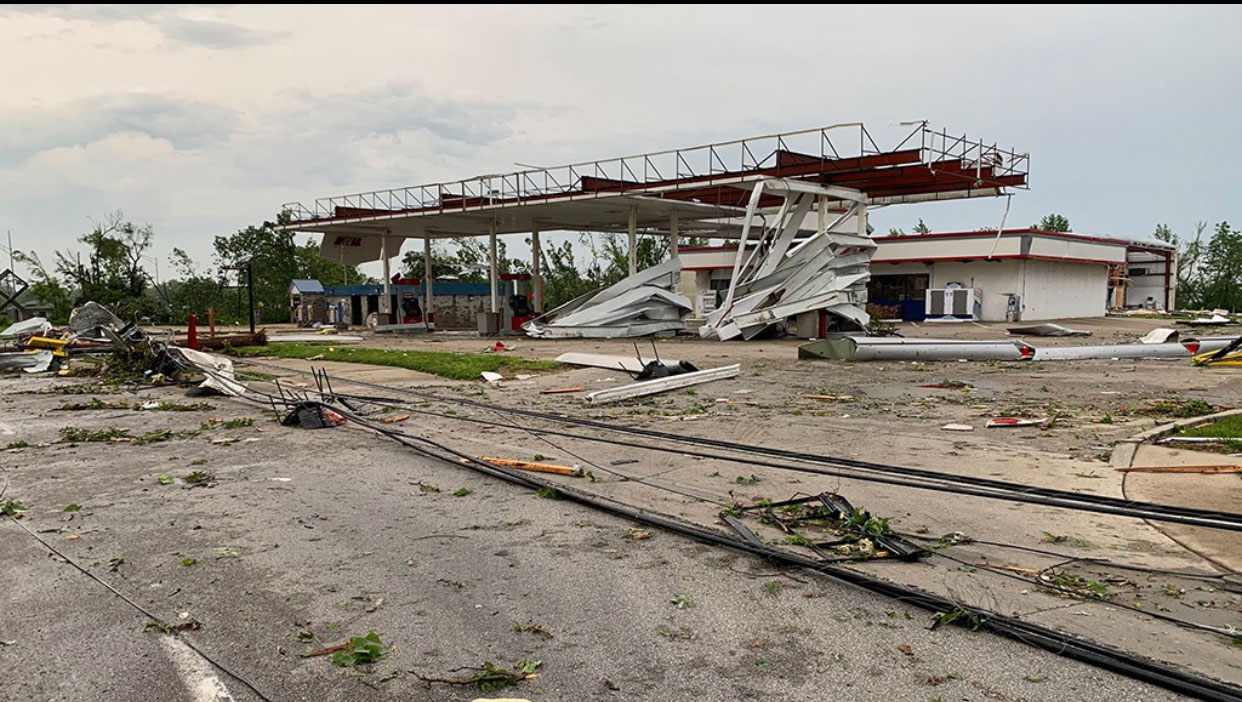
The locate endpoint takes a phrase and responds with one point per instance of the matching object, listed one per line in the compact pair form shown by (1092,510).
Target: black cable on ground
(220,666)
(1061,644)
(996,489)
(1134,509)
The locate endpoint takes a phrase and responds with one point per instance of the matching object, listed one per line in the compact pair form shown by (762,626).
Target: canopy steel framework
(699,190)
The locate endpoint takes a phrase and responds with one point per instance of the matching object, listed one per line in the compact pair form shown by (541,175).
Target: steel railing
(697,166)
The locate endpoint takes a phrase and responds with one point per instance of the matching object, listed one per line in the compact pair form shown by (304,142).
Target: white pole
(494,274)
(535,268)
(428,278)
(674,236)
(633,232)
(386,300)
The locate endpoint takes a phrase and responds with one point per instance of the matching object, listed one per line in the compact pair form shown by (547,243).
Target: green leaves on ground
(360,650)
(199,477)
(682,601)
(12,508)
(79,435)
(490,677)
(461,492)
(115,563)
(744,480)
(19,444)
(73,508)
(164,479)
(187,562)
(549,493)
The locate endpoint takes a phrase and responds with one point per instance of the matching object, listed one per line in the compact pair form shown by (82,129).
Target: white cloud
(203,119)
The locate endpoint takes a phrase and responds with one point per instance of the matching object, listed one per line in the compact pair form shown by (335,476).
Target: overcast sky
(201,120)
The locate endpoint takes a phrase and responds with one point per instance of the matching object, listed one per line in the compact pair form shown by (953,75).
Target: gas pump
(518,291)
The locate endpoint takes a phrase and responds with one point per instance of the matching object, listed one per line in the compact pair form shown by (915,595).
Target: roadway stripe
(196,674)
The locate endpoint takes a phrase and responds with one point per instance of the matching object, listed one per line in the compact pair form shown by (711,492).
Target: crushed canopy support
(640,305)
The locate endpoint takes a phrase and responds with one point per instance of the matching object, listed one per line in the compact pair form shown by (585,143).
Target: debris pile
(827,271)
(36,346)
(640,305)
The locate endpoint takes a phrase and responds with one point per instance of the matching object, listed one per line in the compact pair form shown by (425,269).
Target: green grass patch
(1224,429)
(458,366)
(1227,428)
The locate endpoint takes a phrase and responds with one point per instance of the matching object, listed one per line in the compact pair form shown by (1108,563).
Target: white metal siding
(1056,290)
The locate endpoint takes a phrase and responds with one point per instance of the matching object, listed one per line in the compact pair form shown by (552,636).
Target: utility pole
(250,289)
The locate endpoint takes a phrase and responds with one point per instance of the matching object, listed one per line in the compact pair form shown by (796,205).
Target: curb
(1123,452)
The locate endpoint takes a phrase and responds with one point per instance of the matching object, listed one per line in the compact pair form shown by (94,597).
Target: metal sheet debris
(629,364)
(220,377)
(652,387)
(28,361)
(36,325)
(1047,330)
(780,277)
(642,304)
(1159,335)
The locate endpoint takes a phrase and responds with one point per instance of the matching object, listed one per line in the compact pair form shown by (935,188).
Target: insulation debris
(220,375)
(640,305)
(652,387)
(1047,330)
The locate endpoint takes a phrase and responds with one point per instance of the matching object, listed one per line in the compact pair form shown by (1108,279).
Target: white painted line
(197,674)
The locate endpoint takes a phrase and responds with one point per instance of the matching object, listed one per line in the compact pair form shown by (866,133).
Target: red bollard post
(193,332)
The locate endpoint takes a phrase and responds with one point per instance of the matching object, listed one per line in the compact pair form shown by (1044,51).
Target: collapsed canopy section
(639,305)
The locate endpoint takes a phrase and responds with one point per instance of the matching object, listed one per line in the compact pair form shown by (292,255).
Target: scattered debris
(28,361)
(830,398)
(1005,422)
(1047,330)
(492,377)
(905,649)
(394,419)
(957,427)
(312,415)
(637,534)
(461,492)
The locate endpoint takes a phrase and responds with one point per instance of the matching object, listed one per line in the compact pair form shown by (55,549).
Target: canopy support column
(536,269)
(493,271)
(632,230)
(674,238)
(428,280)
(385,307)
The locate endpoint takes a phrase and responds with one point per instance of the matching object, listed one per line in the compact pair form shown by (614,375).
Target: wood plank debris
(1182,469)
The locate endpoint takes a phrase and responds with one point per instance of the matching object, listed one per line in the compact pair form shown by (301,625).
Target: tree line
(109,267)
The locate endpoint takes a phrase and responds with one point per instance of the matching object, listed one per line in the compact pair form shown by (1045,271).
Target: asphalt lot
(305,531)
